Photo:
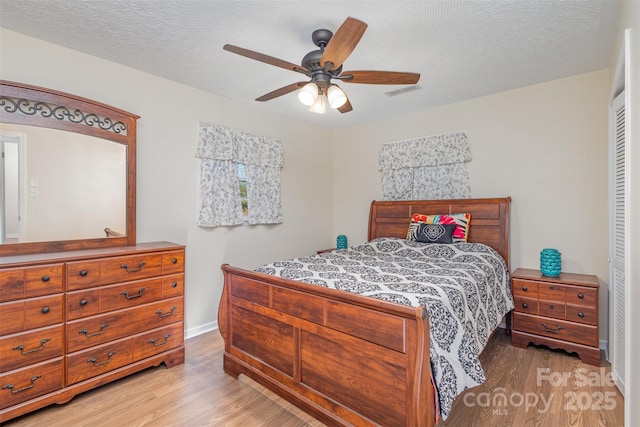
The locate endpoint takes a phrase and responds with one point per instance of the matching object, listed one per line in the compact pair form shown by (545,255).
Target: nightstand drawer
(582,296)
(558,329)
(526,305)
(552,292)
(552,309)
(576,313)
(525,288)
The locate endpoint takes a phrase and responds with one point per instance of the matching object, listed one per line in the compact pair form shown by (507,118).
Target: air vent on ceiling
(403,90)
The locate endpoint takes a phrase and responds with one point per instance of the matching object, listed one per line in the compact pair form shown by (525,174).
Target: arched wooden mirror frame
(36,106)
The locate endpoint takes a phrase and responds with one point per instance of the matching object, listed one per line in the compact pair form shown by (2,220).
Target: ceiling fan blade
(265,58)
(342,43)
(282,91)
(380,77)
(346,107)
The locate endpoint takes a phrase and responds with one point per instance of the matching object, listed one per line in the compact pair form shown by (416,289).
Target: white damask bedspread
(465,287)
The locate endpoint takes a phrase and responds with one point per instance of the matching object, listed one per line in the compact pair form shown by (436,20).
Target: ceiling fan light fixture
(336,96)
(308,95)
(320,106)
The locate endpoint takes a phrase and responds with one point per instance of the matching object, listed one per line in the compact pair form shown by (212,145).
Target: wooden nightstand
(559,312)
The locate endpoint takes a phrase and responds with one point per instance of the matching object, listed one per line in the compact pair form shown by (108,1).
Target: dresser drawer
(173,262)
(99,329)
(26,348)
(125,269)
(526,305)
(558,329)
(130,294)
(16,283)
(157,341)
(32,381)
(582,296)
(82,303)
(577,313)
(173,286)
(32,313)
(98,360)
(83,274)
(552,309)
(525,288)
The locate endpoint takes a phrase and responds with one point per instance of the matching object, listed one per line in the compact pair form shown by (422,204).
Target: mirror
(67,176)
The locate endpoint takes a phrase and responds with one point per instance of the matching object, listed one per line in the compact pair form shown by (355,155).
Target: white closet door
(617,168)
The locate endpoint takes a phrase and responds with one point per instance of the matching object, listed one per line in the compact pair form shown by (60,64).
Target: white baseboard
(604,346)
(199,330)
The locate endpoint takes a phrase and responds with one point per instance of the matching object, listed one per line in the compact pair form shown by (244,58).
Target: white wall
(167,180)
(543,145)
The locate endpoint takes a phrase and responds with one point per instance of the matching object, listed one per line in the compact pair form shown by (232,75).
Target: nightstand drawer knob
(525,305)
(580,314)
(524,288)
(580,296)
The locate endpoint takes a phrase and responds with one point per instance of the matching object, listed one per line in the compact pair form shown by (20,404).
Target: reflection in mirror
(69,180)
(60,185)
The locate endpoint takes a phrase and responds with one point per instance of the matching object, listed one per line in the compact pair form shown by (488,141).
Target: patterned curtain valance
(221,143)
(430,167)
(444,149)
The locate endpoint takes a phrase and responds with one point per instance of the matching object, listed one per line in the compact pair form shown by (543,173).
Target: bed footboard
(346,359)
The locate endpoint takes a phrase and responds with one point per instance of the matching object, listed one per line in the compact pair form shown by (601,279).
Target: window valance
(444,149)
(222,143)
(431,167)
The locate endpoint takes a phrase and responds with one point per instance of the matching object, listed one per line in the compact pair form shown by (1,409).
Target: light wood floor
(198,393)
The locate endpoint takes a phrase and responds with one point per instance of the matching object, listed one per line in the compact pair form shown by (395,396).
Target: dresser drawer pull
(174,260)
(174,285)
(104,362)
(158,344)
(138,295)
(83,302)
(45,309)
(524,288)
(10,386)
(580,314)
(525,305)
(553,331)
(159,312)
(33,350)
(581,296)
(133,270)
(550,306)
(83,273)
(88,335)
(46,278)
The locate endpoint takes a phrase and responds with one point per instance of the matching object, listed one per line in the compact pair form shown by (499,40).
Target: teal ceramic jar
(550,262)
(341,242)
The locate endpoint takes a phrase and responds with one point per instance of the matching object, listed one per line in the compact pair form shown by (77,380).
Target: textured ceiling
(462,48)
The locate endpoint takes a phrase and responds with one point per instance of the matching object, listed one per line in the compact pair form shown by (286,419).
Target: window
(242,180)
(236,167)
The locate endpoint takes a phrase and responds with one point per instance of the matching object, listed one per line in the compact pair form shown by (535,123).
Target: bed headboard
(489,218)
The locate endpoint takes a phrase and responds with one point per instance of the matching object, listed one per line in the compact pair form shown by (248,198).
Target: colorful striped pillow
(461,220)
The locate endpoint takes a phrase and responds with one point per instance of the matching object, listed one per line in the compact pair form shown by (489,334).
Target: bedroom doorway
(12,196)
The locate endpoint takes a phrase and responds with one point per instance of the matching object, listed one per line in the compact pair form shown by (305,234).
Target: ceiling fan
(325,64)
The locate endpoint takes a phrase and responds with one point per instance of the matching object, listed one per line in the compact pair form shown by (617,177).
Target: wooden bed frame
(345,358)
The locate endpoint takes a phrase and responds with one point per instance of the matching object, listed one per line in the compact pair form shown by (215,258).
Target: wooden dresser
(72,321)
(559,312)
